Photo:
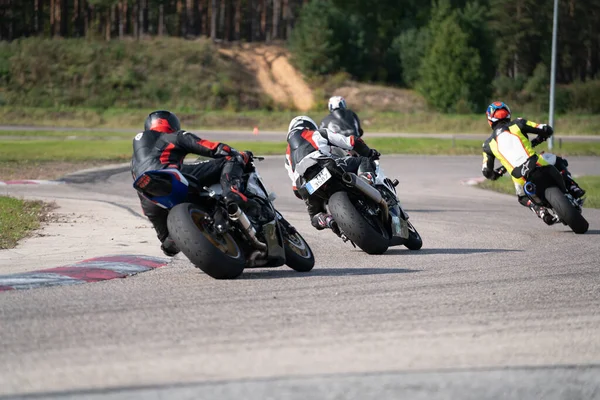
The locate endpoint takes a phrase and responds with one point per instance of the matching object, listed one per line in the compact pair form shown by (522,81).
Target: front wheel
(356,227)
(565,210)
(298,255)
(414,241)
(217,254)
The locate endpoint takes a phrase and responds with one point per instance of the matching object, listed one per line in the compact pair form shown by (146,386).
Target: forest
(456,53)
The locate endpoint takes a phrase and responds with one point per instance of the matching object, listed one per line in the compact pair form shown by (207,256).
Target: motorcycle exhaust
(236,214)
(529,188)
(354,181)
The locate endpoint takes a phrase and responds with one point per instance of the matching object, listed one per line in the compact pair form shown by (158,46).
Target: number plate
(315,183)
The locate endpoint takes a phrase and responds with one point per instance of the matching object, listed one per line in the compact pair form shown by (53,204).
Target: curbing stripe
(90,270)
(30,182)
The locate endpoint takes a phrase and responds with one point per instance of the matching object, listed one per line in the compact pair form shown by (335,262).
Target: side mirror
(272,197)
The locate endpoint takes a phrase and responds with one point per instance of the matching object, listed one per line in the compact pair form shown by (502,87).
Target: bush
(584,97)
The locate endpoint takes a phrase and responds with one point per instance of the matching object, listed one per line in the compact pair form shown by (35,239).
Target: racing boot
(169,247)
(323,221)
(576,191)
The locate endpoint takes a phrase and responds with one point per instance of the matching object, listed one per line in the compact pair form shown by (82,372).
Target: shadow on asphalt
(319,271)
(403,250)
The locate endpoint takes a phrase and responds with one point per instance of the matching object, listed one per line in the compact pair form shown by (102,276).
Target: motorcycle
(546,188)
(369,216)
(222,240)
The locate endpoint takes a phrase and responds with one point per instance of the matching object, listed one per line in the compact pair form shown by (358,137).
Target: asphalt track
(495,305)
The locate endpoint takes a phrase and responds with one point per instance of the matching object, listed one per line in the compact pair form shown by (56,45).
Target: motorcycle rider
(309,149)
(341,119)
(163,144)
(510,144)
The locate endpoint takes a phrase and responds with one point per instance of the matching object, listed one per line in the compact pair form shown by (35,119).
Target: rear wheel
(414,241)
(370,236)
(217,254)
(565,210)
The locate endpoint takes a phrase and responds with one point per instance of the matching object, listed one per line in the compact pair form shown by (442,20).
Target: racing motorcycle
(369,216)
(546,188)
(222,239)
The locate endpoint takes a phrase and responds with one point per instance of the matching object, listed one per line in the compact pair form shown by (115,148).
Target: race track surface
(495,305)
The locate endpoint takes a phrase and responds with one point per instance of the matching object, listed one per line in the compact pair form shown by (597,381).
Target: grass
(591,184)
(419,122)
(18,218)
(120,149)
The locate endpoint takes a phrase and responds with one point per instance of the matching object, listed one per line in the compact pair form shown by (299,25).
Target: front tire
(355,226)
(565,210)
(298,255)
(414,241)
(218,255)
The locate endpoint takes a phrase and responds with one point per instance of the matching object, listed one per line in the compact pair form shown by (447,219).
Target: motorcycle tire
(565,210)
(217,255)
(414,241)
(355,226)
(298,255)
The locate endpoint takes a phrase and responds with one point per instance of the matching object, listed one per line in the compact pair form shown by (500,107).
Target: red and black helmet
(162,121)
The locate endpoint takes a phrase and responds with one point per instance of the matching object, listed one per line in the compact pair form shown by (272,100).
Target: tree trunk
(144,17)
(52,18)
(120,19)
(222,14)
(238,20)
(161,19)
(202,17)
(287,19)
(263,20)
(190,17)
(276,18)
(36,16)
(213,20)
(135,15)
(108,24)
(180,20)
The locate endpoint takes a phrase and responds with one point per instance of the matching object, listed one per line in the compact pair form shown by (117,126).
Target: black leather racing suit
(155,150)
(344,122)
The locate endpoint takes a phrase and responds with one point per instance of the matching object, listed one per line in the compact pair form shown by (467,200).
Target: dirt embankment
(274,73)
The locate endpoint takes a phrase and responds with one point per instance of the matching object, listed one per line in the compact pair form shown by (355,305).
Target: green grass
(591,184)
(120,149)
(373,121)
(17,218)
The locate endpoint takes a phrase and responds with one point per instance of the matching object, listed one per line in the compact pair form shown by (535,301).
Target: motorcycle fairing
(165,187)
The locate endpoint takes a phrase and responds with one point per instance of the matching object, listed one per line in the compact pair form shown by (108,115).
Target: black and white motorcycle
(369,216)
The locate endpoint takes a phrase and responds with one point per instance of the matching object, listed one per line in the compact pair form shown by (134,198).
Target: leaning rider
(510,144)
(309,149)
(163,144)
(341,119)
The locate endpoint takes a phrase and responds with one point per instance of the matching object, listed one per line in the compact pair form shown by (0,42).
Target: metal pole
(553,72)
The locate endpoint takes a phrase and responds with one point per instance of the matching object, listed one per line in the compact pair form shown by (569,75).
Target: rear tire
(355,226)
(565,210)
(218,255)
(414,241)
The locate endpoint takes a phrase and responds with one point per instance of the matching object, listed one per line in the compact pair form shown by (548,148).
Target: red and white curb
(91,270)
(472,181)
(30,182)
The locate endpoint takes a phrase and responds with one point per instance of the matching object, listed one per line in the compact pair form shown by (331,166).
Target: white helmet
(336,102)
(303,122)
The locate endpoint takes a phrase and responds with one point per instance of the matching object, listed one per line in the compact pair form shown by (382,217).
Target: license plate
(315,183)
